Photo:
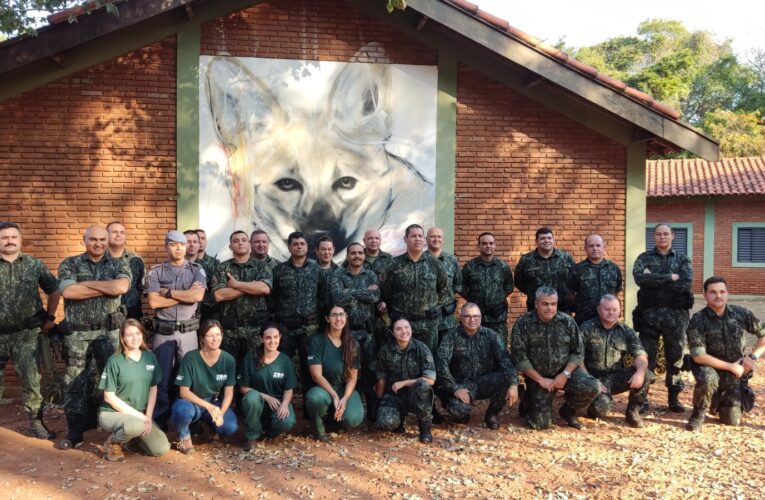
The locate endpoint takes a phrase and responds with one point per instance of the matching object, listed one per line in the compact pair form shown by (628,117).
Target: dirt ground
(606,459)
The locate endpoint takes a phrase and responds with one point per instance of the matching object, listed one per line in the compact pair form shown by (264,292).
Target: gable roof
(539,70)
(696,177)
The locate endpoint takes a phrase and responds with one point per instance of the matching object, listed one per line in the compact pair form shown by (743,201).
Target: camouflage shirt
(534,271)
(210,265)
(488,284)
(378,263)
(269,262)
(326,294)
(589,282)
(453,285)
(462,357)
(395,365)
(245,308)
(81,268)
(413,288)
(19,284)
(657,288)
(546,347)
(298,291)
(604,350)
(132,298)
(723,337)
(352,292)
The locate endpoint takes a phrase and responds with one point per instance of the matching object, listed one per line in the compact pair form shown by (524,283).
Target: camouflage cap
(175,237)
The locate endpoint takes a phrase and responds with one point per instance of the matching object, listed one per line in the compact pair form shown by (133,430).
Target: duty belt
(113,321)
(260,318)
(430,314)
(294,322)
(34,321)
(164,327)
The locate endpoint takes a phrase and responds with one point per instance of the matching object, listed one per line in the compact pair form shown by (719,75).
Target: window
(683,242)
(749,244)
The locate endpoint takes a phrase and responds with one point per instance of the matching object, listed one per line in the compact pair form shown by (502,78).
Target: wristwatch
(567,373)
(169,294)
(753,357)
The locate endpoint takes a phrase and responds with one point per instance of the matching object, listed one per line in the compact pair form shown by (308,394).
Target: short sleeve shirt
(130,380)
(321,351)
(273,379)
(170,277)
(206,381)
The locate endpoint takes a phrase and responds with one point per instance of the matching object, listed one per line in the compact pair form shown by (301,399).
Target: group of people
(378,336)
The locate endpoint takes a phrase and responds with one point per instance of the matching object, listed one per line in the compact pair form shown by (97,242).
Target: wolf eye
(287,184)
(345,183)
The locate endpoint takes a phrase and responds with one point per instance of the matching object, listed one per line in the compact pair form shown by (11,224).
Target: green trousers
(259,417)
(318,404)
(125,427)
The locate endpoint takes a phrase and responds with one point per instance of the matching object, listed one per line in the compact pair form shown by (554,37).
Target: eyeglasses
(471,316)
(336,315)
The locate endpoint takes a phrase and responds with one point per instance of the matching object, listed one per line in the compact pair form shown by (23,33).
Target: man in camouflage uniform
(174,290)
(376,259)
(91,284)
(325,251)
(406,373)
(665,278)
(592,278)
(414,286)
(357,290)
(487,281)
(117,249)
(717,337)
(544,266)
(195,252)
(607,342)
(448,321)
(472,364)
(298,290)
(259,243)
(241,288)
(547,349)
(22,319)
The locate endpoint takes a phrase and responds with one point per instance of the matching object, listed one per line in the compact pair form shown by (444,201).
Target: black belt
(38,319)
(164,327)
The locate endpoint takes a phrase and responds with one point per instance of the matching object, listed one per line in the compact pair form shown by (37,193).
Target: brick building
(718,212)
(101,121)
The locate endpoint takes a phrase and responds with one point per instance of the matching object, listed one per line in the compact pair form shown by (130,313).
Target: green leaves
(396,4)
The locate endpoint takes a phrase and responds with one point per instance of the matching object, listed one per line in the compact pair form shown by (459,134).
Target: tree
(740,133)
(19,17)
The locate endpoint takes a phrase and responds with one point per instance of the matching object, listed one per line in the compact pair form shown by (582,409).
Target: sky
(587,22)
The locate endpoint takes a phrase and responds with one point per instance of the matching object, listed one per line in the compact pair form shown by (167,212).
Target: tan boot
(113,451)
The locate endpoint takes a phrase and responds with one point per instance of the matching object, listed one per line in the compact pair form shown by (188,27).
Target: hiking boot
(673,402)
(426,435)
(185,445)
(74,433)
(644,408)
(322,437)
(249,445)
(438,419)
(37,428)
(112,450)
(491,421)
(696,420)
(633,416)
(569,415)
(400,429)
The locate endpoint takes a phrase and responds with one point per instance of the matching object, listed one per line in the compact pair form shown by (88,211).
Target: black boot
(75,429)
(426,436)
(673,403)
(633,416)
(696,420)
(372,403)
(490,419)
(569,415)
(37,426)
(438,419)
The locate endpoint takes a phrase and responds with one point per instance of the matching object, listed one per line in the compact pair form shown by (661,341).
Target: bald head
(96,240)
(435,239)
(595,248)
(372,241)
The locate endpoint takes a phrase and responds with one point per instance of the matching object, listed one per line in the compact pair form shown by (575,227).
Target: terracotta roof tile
(645,99)
(696,177)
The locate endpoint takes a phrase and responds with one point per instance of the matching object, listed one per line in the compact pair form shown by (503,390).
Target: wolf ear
(359,102)
(240,102)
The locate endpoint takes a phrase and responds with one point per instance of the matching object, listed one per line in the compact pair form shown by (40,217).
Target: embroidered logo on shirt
(150,368)
(278,375)
(221,376)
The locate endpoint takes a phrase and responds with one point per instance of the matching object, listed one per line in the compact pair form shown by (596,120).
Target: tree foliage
(694,73)
(25,16)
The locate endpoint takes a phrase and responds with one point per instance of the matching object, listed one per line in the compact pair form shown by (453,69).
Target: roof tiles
(696,177)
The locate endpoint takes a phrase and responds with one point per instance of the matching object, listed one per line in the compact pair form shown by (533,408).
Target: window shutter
(751,245)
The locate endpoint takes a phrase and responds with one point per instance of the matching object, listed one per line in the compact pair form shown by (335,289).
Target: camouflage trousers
(718,389)
(296,342)
(393,408)
(617,382)
(368,352)
(239,342)
(671,325)
(580,391)
(86,354)
(492,386)
(21,347)
(500,327)
(426,331)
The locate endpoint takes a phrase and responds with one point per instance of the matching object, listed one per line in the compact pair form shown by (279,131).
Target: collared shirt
(723,337)
(589,282)
(377,263)
(605,349)
(132,298)
(487,284)
(657,289)
(172,277)
(414,287)
(546,347)
(298,290)
(19,284)
(453,285)
(462,357)
(395,365)
(243,308)
(82,268)
(534,271)
(353,293)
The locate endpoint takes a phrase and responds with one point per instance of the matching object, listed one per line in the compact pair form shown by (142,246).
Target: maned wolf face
(322,172)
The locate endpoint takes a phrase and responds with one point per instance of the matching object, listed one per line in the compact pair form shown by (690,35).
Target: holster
(448,309)
(163,327)
(37,319)
(496,310)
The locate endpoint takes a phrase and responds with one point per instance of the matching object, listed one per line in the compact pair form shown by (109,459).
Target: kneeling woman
(267,379)
(203,376)
(333,361)
(129,382)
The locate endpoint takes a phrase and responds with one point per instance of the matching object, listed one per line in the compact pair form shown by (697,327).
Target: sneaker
(185,445)
(113,451)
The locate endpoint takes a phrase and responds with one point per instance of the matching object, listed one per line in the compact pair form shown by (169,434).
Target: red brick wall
(311,30)
(520,165)
(685,212)
(741,280)
(91,148)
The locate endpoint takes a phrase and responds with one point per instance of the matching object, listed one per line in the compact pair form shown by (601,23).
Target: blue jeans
(185,413)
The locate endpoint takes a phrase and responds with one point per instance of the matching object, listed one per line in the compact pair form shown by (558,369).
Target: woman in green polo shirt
(129,382)
(266,380)
(333,361)
(206,380)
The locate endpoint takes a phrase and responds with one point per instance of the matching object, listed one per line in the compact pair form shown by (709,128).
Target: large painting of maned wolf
(319,147)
